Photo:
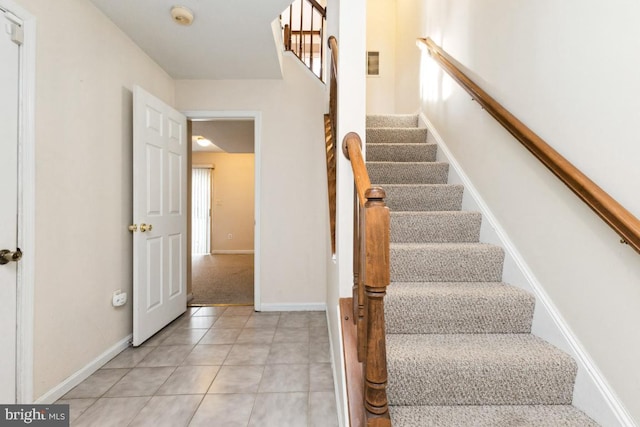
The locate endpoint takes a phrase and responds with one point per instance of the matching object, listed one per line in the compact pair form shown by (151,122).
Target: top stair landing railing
(303,24)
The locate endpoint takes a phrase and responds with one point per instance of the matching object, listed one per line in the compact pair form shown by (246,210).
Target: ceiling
(230,136)
(229,39)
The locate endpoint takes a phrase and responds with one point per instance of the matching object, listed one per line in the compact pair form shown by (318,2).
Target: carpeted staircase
(459,348)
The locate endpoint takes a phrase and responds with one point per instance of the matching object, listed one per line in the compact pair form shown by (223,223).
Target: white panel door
(9,81)
(159,212)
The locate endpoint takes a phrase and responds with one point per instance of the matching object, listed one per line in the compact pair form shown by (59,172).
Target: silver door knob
(7,256)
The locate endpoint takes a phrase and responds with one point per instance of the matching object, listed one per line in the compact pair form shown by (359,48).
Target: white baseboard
(64,387)
(307,306)
(189,297)
(232,252)
(592,393)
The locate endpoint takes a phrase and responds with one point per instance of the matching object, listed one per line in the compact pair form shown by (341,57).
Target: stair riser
(446,265)
(401,152)
(393,121)
(408,173)
(396,136)
(435,227)
(424,198)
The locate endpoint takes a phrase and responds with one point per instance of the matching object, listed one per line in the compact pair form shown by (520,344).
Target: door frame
(26,203)
(257,141)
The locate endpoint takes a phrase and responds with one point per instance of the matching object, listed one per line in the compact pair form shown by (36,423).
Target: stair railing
(371,278)
(303,25)
(330,132)
(606,207)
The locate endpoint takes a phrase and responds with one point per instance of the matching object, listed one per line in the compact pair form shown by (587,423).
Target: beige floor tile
(140,382)
(255,336)
(198,322)
(289,353)
(167,355)
(182,336)
(268,410)
(320,377)
(210,311)
(76,406)
(239,311)
(263,320)
(208,354)
(322,409)
(97,384)
(189,380)
(237,379)
(111,412)
(228,410)
(221,336)
(284,378)
(248,354)
(230,322)
(300,335)
(128,358)
(167,411)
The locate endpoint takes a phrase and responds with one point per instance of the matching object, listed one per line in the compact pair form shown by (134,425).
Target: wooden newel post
(377,278)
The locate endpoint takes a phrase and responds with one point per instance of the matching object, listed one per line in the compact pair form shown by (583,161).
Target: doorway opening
(224,216)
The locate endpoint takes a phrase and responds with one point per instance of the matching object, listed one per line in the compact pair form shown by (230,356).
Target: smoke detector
(182,15)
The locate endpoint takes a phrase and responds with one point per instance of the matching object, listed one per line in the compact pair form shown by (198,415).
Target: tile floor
(217,366)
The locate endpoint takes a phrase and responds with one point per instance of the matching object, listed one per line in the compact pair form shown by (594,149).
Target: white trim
(605,408)
(257,132)
(232,252)
(303,306)
(26,204)
(82,374)
(339,379)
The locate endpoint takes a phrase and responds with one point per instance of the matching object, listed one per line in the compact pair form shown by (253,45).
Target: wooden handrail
(371,278)
(352,149)
(605,206)
(330,138)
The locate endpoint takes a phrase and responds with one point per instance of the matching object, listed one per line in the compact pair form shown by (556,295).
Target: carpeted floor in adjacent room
(222,279)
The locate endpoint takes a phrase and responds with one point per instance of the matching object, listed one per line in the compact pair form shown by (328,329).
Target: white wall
(293,175)
(407,65)
(232,209)
(569,71)
(86,69)
(381,37)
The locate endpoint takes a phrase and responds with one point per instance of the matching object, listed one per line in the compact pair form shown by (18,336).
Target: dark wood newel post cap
(375,194)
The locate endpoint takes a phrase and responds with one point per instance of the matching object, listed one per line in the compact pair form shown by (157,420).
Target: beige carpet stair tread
(477,369)
(457,308)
